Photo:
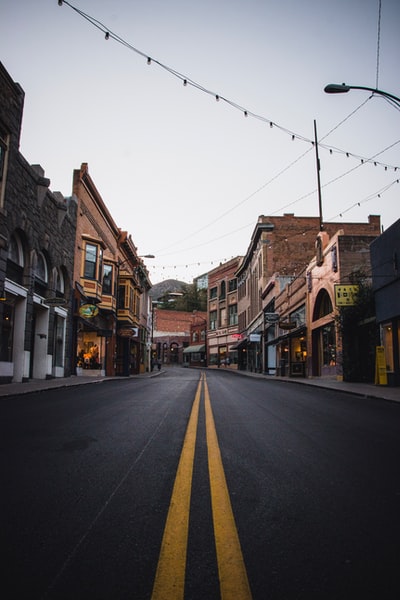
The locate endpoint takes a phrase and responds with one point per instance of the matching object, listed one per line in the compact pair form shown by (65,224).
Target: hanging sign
(380,366)
(88,311)
(255,337)
(271,317)
(346,295)
(287,324)
(55,301)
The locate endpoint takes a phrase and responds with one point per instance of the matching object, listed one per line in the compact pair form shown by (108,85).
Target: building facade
(222,335)
(280,249)
(37,236)
(110,335)
(385,259)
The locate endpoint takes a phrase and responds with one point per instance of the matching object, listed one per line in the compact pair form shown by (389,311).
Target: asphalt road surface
(198,486)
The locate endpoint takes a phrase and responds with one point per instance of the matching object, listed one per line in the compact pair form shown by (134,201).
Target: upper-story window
(213,320)
(223,290)
(213,293)
(91,258)
(41,270)
(3,162)
(232,285)
(59,282)
(107,279)
(15,252)
(233,314)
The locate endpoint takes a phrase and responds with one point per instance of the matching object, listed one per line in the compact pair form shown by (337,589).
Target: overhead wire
(295,136)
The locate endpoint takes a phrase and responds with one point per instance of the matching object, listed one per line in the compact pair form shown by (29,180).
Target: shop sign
(288,324)
(88,311)
(271,317)
(346,295)
(237,336)
(55,301)
(255,337)
(128,332)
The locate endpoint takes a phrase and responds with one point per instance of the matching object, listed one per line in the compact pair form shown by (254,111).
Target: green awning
(193,349)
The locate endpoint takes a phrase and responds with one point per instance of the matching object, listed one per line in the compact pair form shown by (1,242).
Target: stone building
(37,235)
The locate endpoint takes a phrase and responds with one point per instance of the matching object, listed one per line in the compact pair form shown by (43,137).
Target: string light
(187,81)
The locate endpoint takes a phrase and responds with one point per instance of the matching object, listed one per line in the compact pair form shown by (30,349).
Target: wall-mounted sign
(55,301)
(237,336)
(255,337)
(88,311)
(287,324)
(346,295)
(128,332)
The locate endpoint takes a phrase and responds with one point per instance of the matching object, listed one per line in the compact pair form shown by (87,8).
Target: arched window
(323,305)
(15,251)
(59,282)
(41,271)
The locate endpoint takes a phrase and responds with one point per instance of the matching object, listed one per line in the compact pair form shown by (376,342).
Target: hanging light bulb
(148,60)
(271,124)
(107,36)
(185,82)
(217,98)
(245,113)
(293,137)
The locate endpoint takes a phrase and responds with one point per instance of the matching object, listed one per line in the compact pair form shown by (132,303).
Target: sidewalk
(365,390)
(38,385)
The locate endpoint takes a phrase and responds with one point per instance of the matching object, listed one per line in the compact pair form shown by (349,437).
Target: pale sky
(186,175)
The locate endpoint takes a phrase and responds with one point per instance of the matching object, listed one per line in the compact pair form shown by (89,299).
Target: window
(213,293)
(3,152)
(232,285)
(213,319)
(59,282)
(6,338)
(223,290)
(323,305)
(233,315)
(3,163)
(107,279)
(41,271)
(15,253)
(91,252)
(222,316)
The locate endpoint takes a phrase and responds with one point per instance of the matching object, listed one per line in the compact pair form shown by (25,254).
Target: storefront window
(6,338)
(387,334)
(328,346)
(59,341)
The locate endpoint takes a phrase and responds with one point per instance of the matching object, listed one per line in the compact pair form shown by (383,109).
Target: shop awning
(193,349)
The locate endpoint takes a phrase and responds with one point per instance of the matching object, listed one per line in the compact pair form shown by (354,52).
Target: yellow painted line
(169,582)
(233,580)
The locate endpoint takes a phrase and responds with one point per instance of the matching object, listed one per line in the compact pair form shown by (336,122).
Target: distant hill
(159,290)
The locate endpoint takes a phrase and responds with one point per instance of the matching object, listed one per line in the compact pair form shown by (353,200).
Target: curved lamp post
(342,88)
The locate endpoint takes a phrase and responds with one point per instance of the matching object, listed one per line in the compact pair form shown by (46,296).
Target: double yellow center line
(169,582)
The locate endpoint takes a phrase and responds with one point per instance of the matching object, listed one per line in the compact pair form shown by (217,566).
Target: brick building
(37,234)
(222,336)
(110,334)
(279,250)
(171,334)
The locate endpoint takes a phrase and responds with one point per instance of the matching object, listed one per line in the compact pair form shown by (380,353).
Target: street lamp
(337,88)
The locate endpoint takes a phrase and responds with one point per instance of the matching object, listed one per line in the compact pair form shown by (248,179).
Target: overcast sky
(187,175)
